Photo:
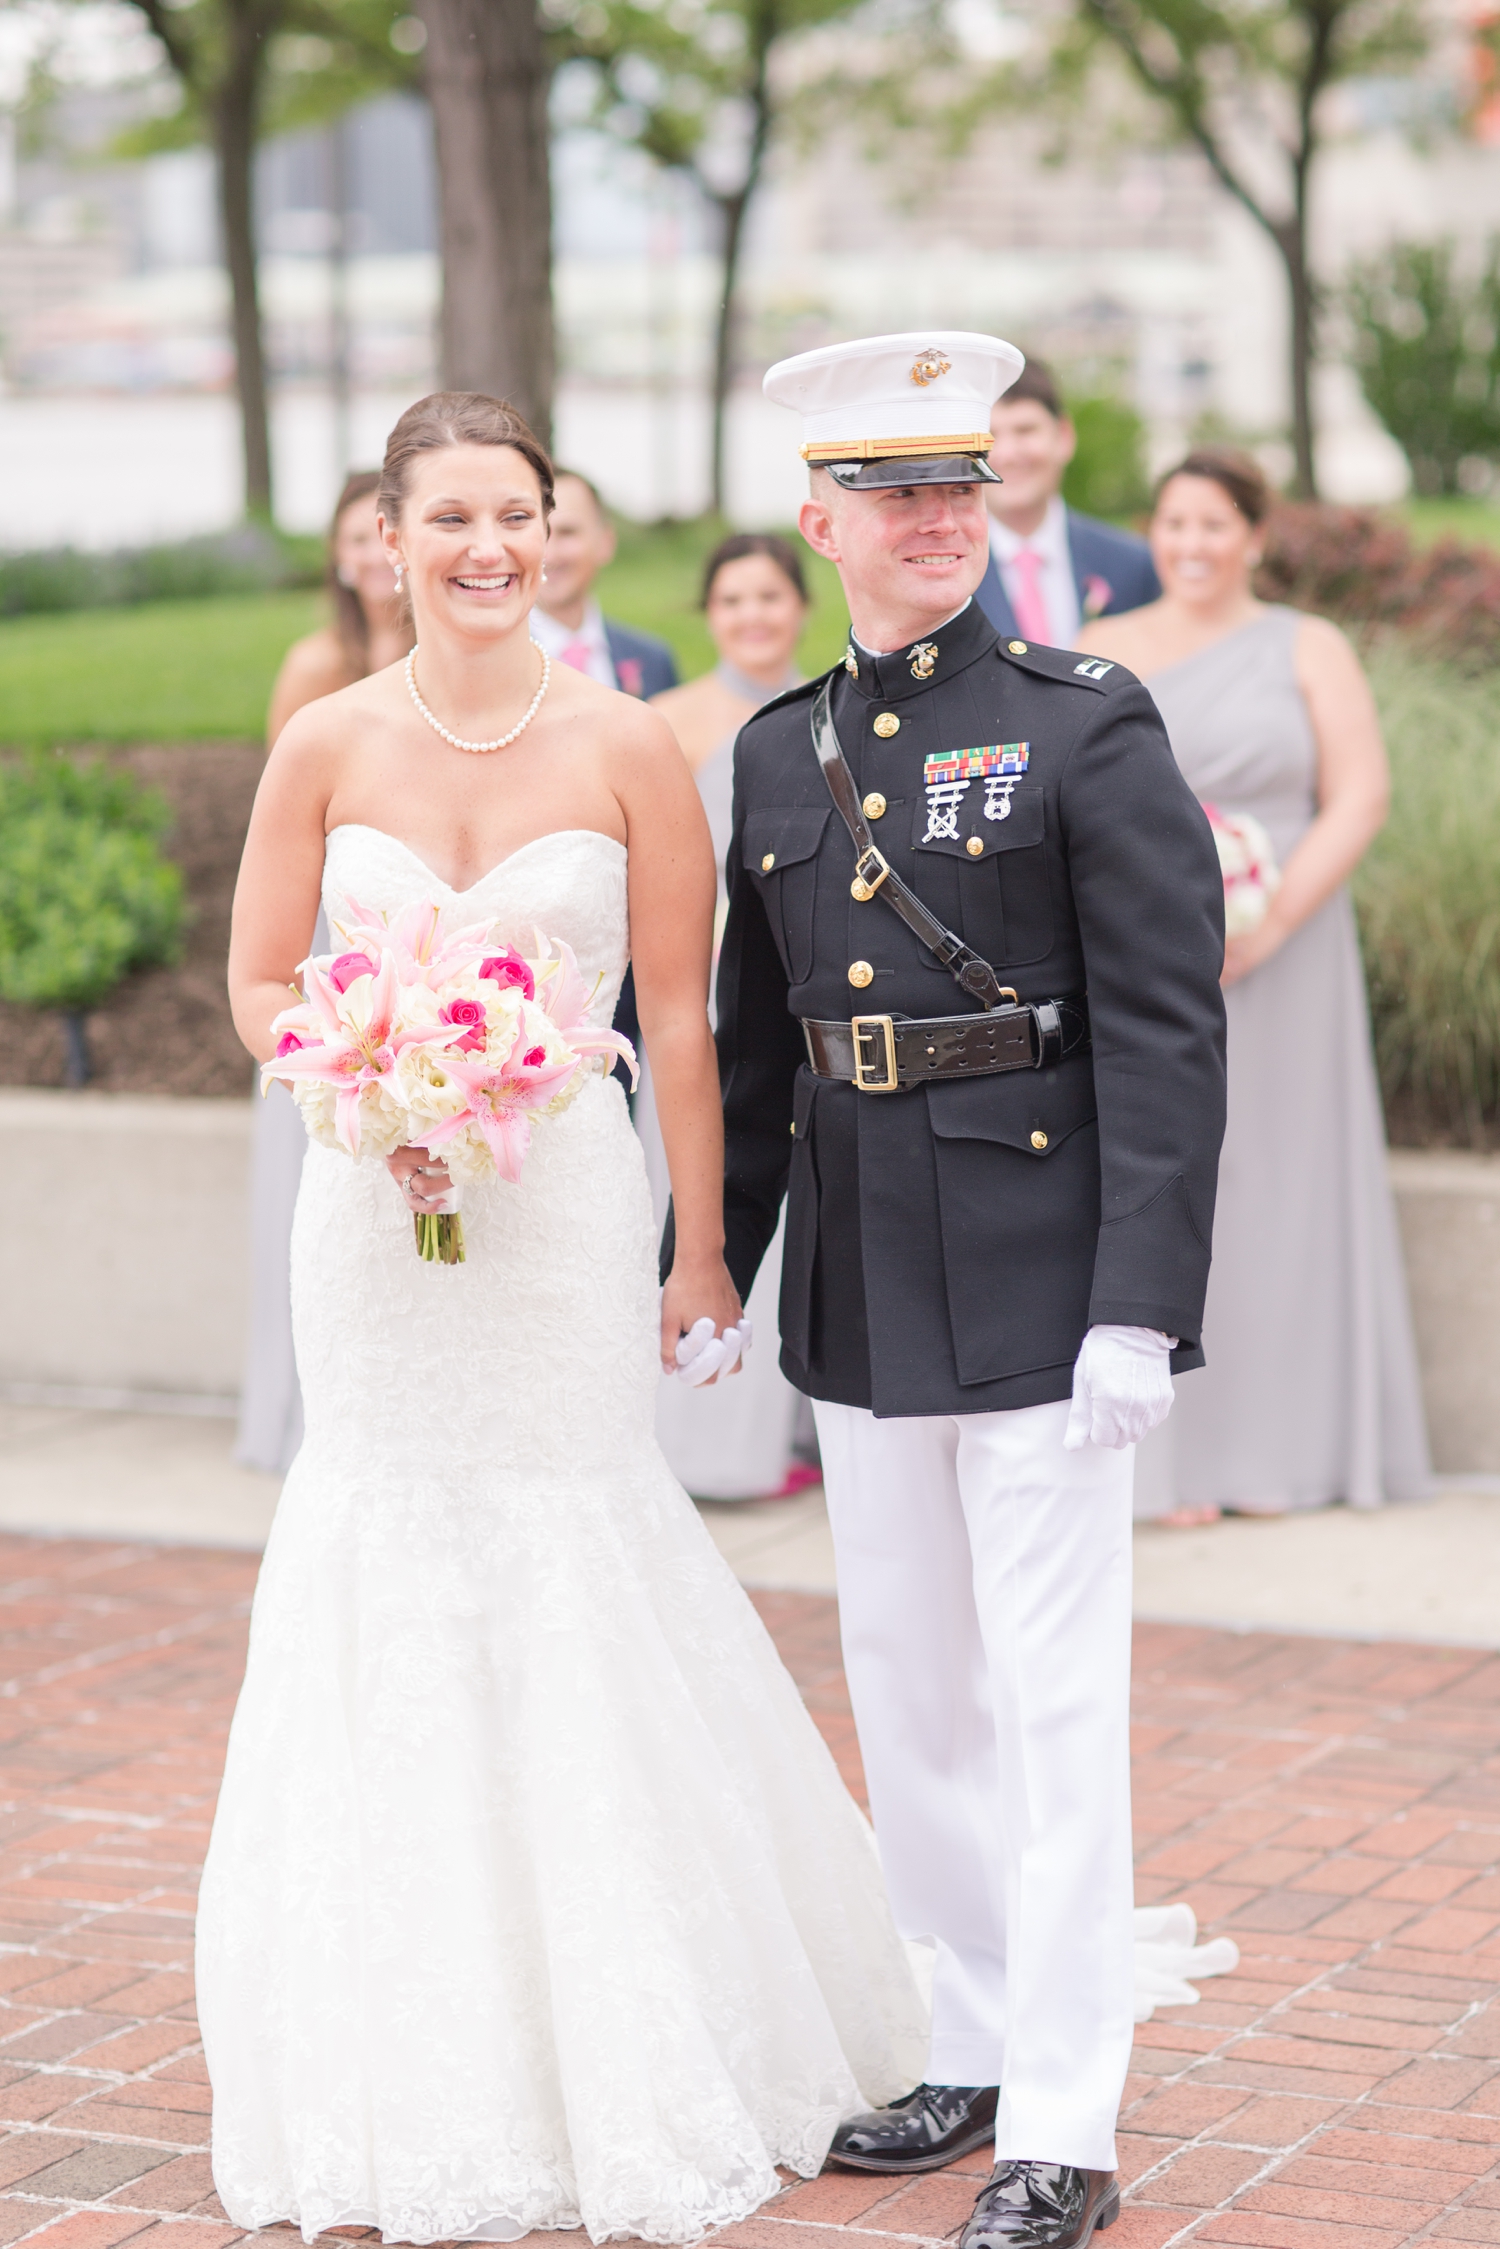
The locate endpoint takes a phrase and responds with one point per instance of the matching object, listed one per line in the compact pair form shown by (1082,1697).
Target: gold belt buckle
(860,1025)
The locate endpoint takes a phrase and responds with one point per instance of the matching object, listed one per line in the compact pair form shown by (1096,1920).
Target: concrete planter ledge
(124,1272)
(125,1261)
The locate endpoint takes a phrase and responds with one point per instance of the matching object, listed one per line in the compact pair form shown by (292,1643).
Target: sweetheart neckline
(363,827)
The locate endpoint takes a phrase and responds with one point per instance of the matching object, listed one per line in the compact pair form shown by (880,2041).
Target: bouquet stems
(440,1237)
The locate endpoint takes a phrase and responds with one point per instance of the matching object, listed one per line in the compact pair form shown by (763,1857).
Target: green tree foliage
(1242,81)
(1426,346)
(1107,475)
(245,69)
(85,894)
(702,87)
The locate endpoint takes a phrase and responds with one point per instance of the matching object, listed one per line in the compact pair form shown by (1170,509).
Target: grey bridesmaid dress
(1311,1391)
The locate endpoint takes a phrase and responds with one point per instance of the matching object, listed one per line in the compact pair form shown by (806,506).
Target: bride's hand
(421,1181)
(696,1292)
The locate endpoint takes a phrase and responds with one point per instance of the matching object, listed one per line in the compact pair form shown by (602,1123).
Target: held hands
(1122,1387)
(703,1330)
(702,1355)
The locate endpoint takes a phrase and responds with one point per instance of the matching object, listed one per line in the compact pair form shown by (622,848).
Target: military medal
(946,776)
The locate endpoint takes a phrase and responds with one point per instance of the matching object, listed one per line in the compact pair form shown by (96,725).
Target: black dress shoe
(931,2127)
(1042,2206)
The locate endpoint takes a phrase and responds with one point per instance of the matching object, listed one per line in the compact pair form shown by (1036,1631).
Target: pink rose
(471,1013)
(533,1058)
(288,1043)
(347,967)
(1098,593)
(506,968)
(630,676)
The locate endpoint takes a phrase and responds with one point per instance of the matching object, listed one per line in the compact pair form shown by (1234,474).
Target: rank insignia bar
(1003,759)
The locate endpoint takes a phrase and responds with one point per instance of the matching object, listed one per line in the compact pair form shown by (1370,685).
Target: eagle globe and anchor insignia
(928,365)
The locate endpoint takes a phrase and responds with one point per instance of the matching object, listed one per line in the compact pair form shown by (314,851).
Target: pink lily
(425,952)
(564,993)
(360,1044)
(499,1097)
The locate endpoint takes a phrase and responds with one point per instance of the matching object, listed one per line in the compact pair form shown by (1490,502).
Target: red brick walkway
(1336,1807)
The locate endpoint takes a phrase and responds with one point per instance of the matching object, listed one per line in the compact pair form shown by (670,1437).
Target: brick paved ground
(1337,1807)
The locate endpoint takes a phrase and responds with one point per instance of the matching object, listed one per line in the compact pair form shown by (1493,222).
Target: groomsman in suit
(970,1028)
(570,625)
(1051,569)
(568,621)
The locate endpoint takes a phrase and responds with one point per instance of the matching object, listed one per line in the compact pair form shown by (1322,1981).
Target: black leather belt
(891,1053)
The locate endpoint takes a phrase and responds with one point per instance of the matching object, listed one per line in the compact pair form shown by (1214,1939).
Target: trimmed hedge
(85,894)
(251,559)
(1359,566)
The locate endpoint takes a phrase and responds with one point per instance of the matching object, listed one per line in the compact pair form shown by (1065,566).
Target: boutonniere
(1098,593)
(628,673)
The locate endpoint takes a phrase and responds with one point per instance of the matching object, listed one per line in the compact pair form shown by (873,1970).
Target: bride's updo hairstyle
(1237,474)
(455,417)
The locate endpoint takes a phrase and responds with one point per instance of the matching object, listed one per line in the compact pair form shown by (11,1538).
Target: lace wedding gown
(534,1898)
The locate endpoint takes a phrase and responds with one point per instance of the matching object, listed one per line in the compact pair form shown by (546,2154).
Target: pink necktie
(1030,602)
(577,654)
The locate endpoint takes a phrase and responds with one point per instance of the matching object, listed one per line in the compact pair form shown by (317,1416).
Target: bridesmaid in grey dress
(744,1437)
(370,629)
(1311,1392)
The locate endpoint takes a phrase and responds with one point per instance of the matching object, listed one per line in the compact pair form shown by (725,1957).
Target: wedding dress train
(533,1898)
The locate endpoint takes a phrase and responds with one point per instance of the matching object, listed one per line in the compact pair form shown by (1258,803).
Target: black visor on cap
(934,468)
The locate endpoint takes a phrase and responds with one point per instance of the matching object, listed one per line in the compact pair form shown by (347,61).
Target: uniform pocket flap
(782,837)
(1034,1110)
(1024,824)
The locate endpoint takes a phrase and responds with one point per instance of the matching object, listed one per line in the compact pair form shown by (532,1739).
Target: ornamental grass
(1428,900)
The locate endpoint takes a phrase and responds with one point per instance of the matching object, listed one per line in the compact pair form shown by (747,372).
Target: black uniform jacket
(938,1258)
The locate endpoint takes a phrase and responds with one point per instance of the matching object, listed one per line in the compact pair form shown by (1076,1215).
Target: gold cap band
(896,448)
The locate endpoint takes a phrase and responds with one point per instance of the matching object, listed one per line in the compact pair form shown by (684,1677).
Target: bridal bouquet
(416,1036)
(1248,864)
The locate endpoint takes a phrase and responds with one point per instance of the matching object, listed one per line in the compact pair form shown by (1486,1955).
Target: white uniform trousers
(984,1606)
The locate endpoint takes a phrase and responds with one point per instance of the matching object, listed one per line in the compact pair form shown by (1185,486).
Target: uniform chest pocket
(781,855)
(1004,904)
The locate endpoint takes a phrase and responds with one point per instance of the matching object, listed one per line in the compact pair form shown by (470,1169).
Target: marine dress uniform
(973,1183)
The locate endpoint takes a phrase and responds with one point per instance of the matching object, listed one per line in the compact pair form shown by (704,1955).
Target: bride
(533,1898)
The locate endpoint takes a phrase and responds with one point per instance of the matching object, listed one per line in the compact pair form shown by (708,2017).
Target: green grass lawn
(180,671)
(1474,523)
(168,671)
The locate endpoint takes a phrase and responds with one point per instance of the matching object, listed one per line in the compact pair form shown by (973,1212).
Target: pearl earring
(544,577)
(400,568)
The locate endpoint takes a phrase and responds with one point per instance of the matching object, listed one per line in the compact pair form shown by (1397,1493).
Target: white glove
(1122,1387)
(701,1354)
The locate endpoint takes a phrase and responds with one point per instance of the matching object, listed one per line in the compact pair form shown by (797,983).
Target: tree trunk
(236,105)
(733,209)
(487,81)
(1291,241)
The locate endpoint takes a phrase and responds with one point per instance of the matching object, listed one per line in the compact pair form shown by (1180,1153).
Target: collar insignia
(851,663)
(923,659)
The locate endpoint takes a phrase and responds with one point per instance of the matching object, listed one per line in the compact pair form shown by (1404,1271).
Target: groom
(997,1237)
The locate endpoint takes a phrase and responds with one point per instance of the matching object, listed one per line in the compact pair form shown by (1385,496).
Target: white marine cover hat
(898,409)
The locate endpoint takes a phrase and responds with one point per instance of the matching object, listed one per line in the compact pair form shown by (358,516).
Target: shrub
(1107,475)
(1426,348)
(1429,903)
(1362,568)
(251,559)
(85,894)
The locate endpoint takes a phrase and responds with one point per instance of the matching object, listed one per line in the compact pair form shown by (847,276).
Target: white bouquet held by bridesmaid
(1248,863)
(415,1036)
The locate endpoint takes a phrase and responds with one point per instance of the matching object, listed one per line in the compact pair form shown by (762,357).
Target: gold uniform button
(887,724)
(1039,1141)
(1018,648)
(974,846)
(768,862)
(861,974)
(874,806)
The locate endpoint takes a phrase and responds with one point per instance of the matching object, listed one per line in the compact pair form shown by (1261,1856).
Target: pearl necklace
(501,740)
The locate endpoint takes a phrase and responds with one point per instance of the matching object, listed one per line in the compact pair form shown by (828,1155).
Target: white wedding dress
(534,1898)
